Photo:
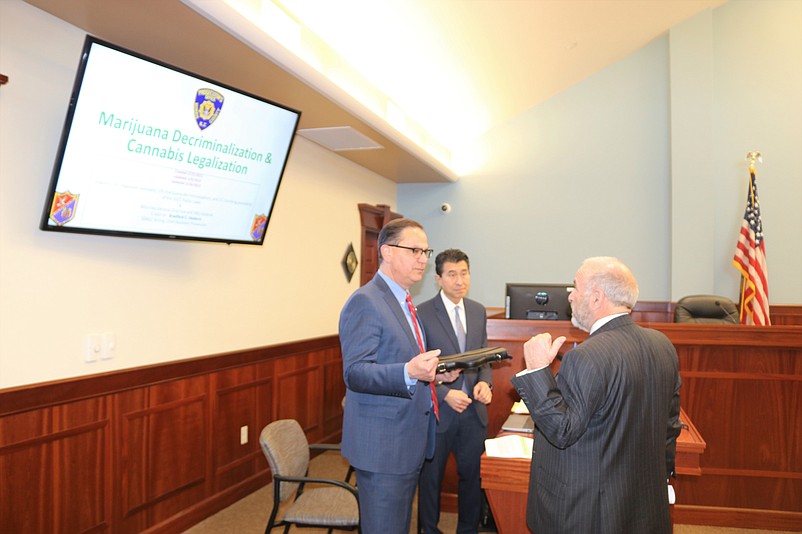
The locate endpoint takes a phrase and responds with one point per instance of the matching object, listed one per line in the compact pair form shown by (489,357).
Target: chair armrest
(313,480)
(325,446)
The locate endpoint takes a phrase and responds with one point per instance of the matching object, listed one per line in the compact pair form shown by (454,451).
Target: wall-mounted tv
(538,301)
(150,150)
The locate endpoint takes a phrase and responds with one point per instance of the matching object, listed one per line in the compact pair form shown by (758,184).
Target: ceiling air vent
(340,138)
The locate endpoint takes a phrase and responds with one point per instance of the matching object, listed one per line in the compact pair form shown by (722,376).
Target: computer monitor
(538,301)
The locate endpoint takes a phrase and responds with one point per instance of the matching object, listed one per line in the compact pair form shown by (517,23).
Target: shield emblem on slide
(63,209)
(208,104)
(258,228)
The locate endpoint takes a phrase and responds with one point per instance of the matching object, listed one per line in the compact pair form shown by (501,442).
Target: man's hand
(448,376)
(540,350)
(424,365)
(457,400)
(482,392)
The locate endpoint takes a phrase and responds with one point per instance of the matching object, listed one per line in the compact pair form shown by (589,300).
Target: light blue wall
(644,161)
(757,47)
(585,173)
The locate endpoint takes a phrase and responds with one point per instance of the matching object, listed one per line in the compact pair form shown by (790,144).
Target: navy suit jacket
(440,335)
(387,427)
(606,430)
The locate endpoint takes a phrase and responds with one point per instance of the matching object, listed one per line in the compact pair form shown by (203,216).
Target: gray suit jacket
(386,427)
(440,335)
(606,434)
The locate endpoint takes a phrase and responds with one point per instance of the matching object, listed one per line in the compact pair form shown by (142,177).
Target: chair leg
(271,521)
(348,475)
(276,501)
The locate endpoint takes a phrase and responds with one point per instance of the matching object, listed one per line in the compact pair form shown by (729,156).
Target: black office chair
(708,309)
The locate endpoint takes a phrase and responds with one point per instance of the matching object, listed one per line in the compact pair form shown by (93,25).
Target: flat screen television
(538,301)
(150,150)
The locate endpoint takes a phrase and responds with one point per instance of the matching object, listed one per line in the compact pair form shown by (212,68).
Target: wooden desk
(506,480)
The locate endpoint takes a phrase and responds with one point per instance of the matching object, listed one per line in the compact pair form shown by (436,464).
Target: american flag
(750,259)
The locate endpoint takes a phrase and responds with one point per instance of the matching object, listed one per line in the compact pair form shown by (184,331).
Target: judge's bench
(739,462)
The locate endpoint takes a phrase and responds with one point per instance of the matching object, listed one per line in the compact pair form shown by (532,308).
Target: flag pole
(752,156)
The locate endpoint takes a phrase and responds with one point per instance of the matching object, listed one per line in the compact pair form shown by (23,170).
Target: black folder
(472,358)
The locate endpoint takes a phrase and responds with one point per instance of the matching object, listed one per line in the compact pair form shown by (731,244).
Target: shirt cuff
(527,371)
(407,380)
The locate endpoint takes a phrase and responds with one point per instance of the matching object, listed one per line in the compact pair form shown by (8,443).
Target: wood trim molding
(44,394)
(158,448)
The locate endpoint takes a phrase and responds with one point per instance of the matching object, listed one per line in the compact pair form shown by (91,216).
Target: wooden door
(372,218)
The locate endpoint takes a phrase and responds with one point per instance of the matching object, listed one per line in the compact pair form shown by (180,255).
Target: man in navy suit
(389,416)
(455,324)
(607,424)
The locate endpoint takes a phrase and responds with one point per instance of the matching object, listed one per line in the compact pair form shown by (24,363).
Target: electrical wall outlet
(243,435)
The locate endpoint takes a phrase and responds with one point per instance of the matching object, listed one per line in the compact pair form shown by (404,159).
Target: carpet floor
(250,515)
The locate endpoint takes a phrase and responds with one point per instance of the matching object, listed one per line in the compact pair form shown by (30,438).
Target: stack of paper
(511,446)
(519,407)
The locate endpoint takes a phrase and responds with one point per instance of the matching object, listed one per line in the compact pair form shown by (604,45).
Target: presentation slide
(156,151)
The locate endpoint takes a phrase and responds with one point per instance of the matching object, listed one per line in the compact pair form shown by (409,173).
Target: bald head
(603,286)
(613,278)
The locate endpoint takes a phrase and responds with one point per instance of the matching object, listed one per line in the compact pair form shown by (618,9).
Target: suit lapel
(445,322)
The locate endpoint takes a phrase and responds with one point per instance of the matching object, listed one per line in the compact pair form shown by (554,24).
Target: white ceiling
(445,61)
(499,57)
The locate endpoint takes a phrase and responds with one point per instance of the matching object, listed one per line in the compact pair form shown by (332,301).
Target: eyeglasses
(415,251)
(453,275)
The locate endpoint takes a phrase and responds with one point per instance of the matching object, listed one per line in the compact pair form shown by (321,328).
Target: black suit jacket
(440,335)
(606,430)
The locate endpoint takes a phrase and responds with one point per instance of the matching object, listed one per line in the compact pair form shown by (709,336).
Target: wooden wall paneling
(663,312)
(82,465)
(47,450)
(243,396)
(164,450)
(653,311)
(333,394)
(26,472)
(786,315)
(748,401)
(150,449)
(742,389)
(299,393)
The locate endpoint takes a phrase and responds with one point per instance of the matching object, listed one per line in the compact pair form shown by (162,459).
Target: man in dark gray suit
(607,424)
(389,415)
(455,324)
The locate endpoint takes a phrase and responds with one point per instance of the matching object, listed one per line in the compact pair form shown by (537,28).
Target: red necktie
(420,346)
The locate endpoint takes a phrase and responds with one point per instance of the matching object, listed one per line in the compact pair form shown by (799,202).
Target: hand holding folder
(472,358)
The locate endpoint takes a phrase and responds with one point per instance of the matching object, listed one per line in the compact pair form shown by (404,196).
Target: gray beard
(576,323)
